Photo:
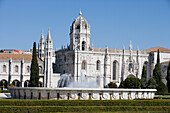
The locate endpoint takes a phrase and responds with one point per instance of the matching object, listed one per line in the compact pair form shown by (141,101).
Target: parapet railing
(80,93)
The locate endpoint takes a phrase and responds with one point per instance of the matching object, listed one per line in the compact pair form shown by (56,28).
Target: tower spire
(48,35)
(42,36)
(41,47)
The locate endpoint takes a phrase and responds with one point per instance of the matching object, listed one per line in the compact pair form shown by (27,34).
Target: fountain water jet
(66,80)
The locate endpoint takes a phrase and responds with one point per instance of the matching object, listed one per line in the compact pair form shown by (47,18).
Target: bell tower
(48,51)
(80,34)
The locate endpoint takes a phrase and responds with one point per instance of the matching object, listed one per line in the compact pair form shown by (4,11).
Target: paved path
(5,95)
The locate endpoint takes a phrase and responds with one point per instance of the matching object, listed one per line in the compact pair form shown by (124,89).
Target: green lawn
(95,106)
(162,97)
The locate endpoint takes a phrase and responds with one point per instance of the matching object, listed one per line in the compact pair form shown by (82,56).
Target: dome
(77,22)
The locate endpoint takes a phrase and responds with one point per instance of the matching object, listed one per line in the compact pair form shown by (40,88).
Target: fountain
(66,80)
(69,89)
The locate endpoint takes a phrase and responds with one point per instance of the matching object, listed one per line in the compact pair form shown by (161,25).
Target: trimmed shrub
(144,83)
(17,102)
(131,83)
(79,109)
(121,84)
(112,85)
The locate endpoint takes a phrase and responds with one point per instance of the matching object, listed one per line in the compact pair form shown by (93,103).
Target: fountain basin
(80,93)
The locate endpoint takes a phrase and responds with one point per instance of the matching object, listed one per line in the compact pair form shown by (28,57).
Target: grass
(86,106)
(162,97)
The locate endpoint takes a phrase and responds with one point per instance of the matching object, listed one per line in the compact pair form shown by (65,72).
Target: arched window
(83,65)
(78,27)
(16,69)
(28,69)
(98,65)
(4,68)
(4,83)
(26,83)
(115,70)
(16,83)
(130,67)
(84,25)
(83,45)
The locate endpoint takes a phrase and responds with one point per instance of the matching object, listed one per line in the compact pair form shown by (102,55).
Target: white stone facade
(17,71)
(114,64)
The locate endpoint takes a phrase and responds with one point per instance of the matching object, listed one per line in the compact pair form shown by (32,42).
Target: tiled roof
(166,62)
(161,49)
(7,56)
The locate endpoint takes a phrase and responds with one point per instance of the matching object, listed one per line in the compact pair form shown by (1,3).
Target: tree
(112,85)
(168,77)
(143,79)
(130,83)
(34,76)
(143,72)
(157,71)
(121,84)
(162,88)
(158,77)
(152,84)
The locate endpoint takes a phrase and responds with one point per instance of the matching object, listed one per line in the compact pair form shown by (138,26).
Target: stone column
(100,80)
(106,67)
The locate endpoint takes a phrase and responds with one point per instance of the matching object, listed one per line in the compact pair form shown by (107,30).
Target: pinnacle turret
(48,35)
(130,46)
(42,36)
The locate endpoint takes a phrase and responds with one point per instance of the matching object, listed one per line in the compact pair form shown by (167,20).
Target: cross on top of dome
(80,13)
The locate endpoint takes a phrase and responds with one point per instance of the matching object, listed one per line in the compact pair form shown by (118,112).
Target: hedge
(162,93)
(17,102)
(4,91)
(82,109)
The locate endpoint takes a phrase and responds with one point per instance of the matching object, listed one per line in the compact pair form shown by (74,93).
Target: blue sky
(113,22)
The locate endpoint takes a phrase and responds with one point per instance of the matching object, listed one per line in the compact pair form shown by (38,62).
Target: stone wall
(81,93)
